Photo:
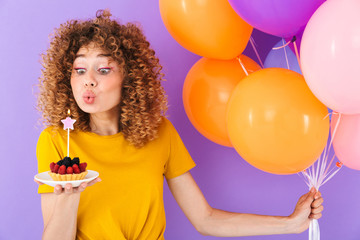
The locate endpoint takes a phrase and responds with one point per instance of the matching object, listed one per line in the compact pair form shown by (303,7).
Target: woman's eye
(104,70)
(80,70)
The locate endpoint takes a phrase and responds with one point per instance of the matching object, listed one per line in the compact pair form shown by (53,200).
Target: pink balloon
(330,55)
(347,139)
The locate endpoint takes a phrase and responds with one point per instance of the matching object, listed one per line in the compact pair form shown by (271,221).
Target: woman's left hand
(307,208)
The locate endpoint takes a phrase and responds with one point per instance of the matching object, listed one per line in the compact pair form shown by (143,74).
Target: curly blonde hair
(143,99)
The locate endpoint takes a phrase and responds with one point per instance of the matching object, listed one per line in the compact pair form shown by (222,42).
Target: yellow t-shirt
(128,202)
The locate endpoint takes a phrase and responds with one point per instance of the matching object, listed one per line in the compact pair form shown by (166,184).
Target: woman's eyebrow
(99,55)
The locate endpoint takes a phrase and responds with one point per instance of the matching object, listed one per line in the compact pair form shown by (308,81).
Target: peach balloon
(347,139)
(208,28)
(275,123)
(207,89)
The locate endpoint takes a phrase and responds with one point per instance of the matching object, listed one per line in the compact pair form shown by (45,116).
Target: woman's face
(96,81)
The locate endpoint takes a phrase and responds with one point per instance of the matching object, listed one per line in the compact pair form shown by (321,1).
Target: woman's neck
(105,123)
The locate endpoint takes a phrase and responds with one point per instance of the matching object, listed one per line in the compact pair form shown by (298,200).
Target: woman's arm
(60,211)
(60,215)
(215,222)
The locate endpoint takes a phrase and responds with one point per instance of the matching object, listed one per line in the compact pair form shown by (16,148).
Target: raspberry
(69,170)
(83,167)
(76,168)
(56,168)
(62,169)
(52,165)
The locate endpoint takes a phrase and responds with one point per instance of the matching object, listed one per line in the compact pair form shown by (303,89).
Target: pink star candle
(68,124)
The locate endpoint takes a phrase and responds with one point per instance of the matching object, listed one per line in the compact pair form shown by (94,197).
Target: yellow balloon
(209,28)
(275,122)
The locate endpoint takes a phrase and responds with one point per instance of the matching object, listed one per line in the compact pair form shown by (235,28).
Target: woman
(110,79)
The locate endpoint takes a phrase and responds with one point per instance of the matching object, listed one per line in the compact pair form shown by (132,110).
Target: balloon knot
(339,164)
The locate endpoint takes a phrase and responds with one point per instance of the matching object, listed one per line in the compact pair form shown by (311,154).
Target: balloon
(330,50)
(275,123)
(207,89)
(277,58)
(346,141)
(208,28)
(283,18)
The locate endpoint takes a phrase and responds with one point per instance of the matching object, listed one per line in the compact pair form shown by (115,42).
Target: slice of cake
(68,170)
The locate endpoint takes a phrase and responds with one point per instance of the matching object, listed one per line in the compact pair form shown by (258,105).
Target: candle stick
(68,124)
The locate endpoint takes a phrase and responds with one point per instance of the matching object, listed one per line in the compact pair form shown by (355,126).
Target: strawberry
(56,168)
(83,167)
(76,168)
(52,165)
(62,169)
(69,170)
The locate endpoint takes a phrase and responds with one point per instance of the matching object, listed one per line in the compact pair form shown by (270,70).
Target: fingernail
(99,180)
(312,189)
(68,187)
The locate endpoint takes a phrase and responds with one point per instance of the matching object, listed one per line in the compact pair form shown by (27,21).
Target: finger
(303,197)
(316,216)
(58,189)
(317,195)
(40,183)
(310,197)
(317,202)
(94,181)
(68,188)
(82,187)
(317,210)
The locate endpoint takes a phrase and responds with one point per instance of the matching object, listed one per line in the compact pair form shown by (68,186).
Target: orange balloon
(207,89)
(275,122)
(209,28)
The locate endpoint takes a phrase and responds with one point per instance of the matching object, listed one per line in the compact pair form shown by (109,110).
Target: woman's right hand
(69,189)
(60,209)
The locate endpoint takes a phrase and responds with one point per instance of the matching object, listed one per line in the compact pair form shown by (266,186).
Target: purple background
(227,181)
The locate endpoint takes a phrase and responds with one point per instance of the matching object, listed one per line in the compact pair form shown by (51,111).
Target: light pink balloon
(330,55)
(347,139)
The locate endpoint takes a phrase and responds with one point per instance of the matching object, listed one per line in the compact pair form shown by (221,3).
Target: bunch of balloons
(273,117)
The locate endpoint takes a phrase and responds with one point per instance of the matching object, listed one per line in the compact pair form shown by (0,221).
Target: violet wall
(227,181)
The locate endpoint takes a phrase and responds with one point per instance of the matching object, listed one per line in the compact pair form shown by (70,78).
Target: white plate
(45,178)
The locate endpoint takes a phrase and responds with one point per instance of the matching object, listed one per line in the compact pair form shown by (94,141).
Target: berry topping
(68,166)
(52,165)
(75,161)
(62,169)
(56,168)
(69,170)
(83,167)
(67,161)
(76,168)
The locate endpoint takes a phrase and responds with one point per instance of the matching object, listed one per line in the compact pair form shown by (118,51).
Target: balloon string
(296,51)
(252,41)
(276,48)
(336,126)
(320,173)
(293,40)
(242,65)
(287,61)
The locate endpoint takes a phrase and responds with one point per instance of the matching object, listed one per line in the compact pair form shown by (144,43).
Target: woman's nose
(90,81)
